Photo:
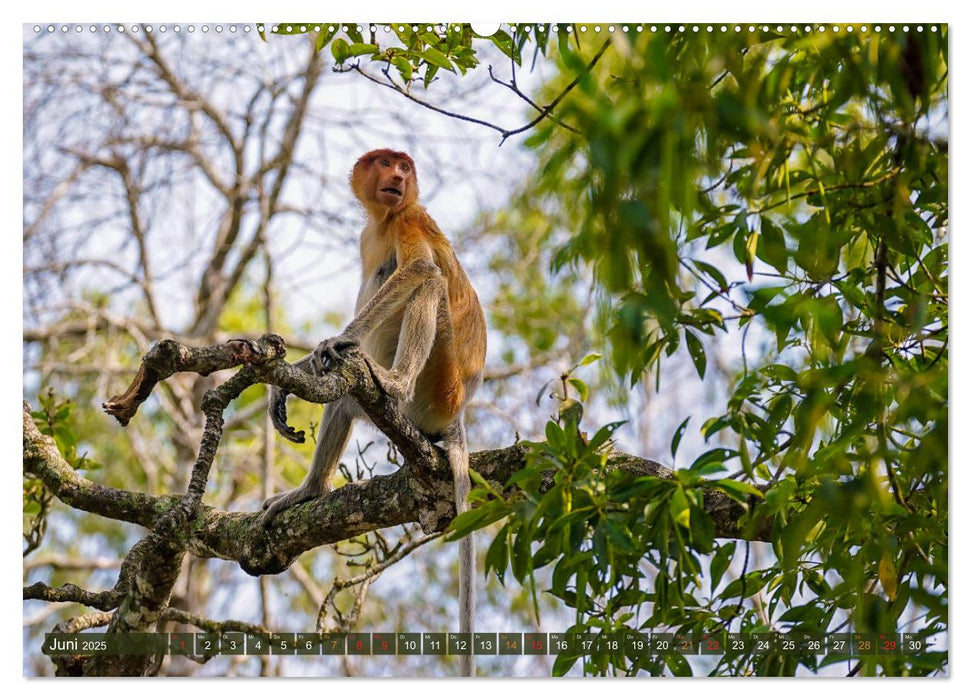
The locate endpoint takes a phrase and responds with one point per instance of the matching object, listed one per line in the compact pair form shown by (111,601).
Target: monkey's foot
(389,381)
(331,352)
(274,505)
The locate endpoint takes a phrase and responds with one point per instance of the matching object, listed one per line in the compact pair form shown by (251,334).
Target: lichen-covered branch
(362,506)
(420,491)
(207,625)
(70,593)
(168,357)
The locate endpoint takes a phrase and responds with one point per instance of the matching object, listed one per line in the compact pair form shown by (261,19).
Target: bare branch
(69,593)
(544,112)
(168,357)
(187,618)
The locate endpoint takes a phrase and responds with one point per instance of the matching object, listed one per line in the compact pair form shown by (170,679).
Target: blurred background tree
(749,222)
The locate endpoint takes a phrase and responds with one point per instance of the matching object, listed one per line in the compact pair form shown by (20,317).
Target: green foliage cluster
(54,420)
(415,52)
(615,540)
(791,188)
(783,190)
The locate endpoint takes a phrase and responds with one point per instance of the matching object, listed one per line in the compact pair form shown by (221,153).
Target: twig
(506,133)
(515,88)
(70,593)
(831,188)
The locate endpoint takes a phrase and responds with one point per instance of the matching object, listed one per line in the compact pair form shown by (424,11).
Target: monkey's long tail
(458,457)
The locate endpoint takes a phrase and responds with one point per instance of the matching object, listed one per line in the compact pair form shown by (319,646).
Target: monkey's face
(394,181)
(386,180)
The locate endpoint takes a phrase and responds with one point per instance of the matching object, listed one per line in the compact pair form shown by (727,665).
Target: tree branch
(544,112)
(420,491)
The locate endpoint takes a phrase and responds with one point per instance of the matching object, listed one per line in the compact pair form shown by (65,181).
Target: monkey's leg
(419,329)
(457,452)
(335,429)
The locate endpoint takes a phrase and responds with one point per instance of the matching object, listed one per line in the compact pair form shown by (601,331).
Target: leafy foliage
(53,419)
(791,188)
(416,52)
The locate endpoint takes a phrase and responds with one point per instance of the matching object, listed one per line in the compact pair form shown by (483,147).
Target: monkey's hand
(274,505)
(331,352)
(278,414)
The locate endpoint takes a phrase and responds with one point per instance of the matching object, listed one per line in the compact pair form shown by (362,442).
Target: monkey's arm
(416,268)
(393,294)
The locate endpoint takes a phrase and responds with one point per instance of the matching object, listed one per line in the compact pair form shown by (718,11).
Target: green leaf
(679,508)
(618,533)
(522,556)
(550,550)
(702,530)
(678,434)
(589,359)
(581,388)
(603,434)
(720,563)
(793,537)
(64,437)
(405,69)
(504,43)
(677,664)
(714,425)
(476,519)
(430,72)
(437,59)
(739,490)
(642,485)
(829,318)
(361,49)
(781,373)
(707,469)
(564,662)
(324,35)
(555,437)
(340,49)
(719,454)
(714,273)
(887,573)
(497,556)
(779,497)
(772,246)
(750,247)
(697,352)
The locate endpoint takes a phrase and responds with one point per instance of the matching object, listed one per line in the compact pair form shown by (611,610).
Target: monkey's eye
(405,167)
(385,162)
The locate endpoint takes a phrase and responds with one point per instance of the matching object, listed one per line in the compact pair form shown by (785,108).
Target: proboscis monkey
(420,323)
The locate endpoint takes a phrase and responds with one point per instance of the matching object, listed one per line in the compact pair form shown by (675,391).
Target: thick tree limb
(358,507)
(420,491)
(168,357)
(69,593)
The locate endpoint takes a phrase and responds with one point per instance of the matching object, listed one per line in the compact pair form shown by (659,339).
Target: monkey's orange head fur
(385,181)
